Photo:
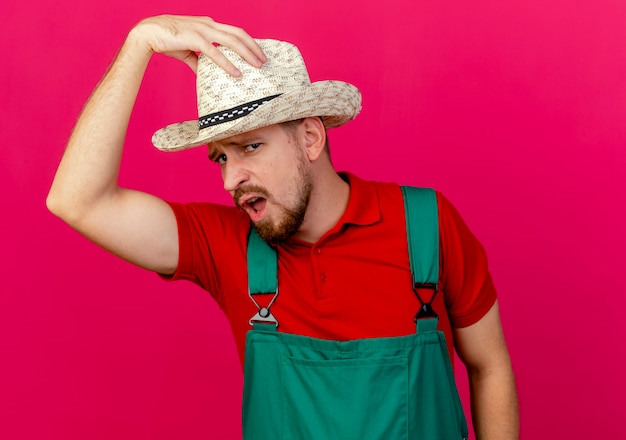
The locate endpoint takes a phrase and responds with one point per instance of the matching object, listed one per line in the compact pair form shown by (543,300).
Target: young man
(343,265)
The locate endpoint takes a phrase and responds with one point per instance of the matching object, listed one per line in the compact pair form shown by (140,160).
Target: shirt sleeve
(468,288)
(208,235)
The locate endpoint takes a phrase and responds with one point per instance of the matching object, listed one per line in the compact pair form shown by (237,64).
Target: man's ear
(313,133)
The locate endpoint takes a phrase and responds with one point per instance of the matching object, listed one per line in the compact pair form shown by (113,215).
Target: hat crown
(218,91)
(279,91)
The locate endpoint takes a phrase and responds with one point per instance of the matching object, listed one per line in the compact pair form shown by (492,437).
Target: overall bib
(303,388)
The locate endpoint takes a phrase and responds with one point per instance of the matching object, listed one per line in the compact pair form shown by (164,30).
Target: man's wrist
(136,42)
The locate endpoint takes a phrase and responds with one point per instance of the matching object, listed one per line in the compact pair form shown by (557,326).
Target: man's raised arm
(133,225)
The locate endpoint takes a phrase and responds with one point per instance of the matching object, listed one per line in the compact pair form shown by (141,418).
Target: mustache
(243,190)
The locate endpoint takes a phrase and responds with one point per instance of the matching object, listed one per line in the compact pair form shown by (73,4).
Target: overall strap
(262,276)
(422,226)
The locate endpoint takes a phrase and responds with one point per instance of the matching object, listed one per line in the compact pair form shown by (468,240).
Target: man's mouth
(256,203)
(253,206)
(252,199)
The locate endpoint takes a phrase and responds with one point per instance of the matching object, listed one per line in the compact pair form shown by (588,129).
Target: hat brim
(336,102)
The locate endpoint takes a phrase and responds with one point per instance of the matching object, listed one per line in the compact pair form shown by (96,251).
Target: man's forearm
(90,165)
(494,405)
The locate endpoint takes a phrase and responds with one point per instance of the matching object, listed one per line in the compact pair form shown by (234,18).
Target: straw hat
(279,91)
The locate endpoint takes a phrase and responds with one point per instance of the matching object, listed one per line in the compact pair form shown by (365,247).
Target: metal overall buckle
(264,315)
(426,310)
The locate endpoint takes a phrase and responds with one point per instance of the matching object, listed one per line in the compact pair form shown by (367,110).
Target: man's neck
(329,200)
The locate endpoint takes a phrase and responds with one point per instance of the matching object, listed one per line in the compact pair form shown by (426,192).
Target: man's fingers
(218,57)
(241,42)
(183,37)
(208,34)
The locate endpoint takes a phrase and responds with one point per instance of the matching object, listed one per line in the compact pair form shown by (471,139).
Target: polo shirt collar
(363,206)
(363,209)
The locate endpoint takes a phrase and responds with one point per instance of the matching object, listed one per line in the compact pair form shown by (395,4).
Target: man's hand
(183,37)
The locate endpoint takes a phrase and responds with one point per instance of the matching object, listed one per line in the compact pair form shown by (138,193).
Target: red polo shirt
(355,282)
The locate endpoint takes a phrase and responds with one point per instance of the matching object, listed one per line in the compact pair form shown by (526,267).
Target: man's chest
(341,288)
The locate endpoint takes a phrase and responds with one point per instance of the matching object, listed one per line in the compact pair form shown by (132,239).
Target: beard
(291,218)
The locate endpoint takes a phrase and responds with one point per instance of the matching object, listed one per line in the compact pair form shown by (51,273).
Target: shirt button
(323,277)
(318,251)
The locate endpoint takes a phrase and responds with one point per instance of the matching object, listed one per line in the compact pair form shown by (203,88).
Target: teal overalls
(302,388)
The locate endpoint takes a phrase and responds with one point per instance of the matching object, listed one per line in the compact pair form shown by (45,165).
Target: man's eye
(251,147)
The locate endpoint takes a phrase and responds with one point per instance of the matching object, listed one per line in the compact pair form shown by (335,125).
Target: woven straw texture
(222,98)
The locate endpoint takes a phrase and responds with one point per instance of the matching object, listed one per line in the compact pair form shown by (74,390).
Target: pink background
(515,110)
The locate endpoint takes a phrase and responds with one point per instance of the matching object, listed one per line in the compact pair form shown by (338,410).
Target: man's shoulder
(386,190)
(360,184)
(383,185)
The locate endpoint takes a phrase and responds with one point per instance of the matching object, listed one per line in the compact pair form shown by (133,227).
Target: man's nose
(234,174)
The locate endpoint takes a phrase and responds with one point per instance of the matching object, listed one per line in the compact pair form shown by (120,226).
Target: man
(343,266)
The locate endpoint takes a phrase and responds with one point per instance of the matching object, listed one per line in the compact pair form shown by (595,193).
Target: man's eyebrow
(215,151)
(213,154)
(240,141)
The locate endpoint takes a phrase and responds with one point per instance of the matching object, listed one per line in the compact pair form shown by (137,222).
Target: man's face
(268,174)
